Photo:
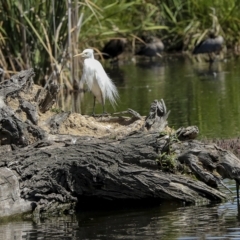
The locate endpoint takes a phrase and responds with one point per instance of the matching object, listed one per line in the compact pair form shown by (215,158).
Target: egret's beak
(79,54)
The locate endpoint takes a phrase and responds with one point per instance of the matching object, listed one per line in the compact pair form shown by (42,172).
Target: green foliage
(189,21)
(36,33)
(56,110)
(168,162)
(167,158)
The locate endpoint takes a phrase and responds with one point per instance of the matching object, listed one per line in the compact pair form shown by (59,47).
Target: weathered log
(10,201)
(66,173)
(149,161)
(50,95)
(130,111)
(15,130)
(56,121)
(54,174)
(31,111)
(16,83)
(60,174)
(157,118)
(187,133)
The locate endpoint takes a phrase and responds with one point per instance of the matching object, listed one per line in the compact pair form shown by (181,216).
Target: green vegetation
(56,110)
(168,162)
(45,34)
(167,158)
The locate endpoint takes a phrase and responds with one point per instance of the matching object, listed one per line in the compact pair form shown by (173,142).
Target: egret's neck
(91,56)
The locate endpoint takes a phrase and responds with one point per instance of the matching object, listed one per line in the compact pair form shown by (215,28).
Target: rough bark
(55,174)
(48,97)
(10,200)
(56,121)
(157,118)
(13,130)
(50,172)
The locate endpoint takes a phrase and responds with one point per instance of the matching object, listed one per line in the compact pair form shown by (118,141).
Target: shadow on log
(52,171)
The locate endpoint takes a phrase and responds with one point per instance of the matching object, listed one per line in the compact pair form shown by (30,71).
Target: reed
(46,34)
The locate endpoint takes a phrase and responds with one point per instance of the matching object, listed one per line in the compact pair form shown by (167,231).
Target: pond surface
(165,221)
(196,95)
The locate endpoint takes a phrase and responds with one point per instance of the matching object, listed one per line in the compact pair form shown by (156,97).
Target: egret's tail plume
(112,93)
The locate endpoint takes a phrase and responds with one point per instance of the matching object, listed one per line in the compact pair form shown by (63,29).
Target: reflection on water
(166,221)
(195,93)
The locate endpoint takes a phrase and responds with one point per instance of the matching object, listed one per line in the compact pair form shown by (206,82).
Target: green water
(195,94)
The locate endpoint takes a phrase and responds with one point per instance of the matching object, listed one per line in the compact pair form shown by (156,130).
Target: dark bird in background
(153,47)
(212,45)
(114,48)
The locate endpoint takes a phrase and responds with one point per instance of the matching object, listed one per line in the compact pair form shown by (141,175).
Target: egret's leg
(94,102)
(104,112)
(103,107)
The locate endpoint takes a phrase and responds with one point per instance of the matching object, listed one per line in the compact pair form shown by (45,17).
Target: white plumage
(97,80)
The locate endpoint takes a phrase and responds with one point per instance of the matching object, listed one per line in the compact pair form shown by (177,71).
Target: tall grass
(189,21)
(46,34)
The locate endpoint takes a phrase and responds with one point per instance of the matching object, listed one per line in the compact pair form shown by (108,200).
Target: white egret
(97,80)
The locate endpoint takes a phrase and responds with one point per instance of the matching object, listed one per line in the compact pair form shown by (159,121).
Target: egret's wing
(106,85)
(98,81)
(100,77)
(83,78)
(88,73)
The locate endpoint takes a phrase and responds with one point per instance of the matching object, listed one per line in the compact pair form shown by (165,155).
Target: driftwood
(158,115)
(30,109)
(60,174)
(53,173)
(14,130)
